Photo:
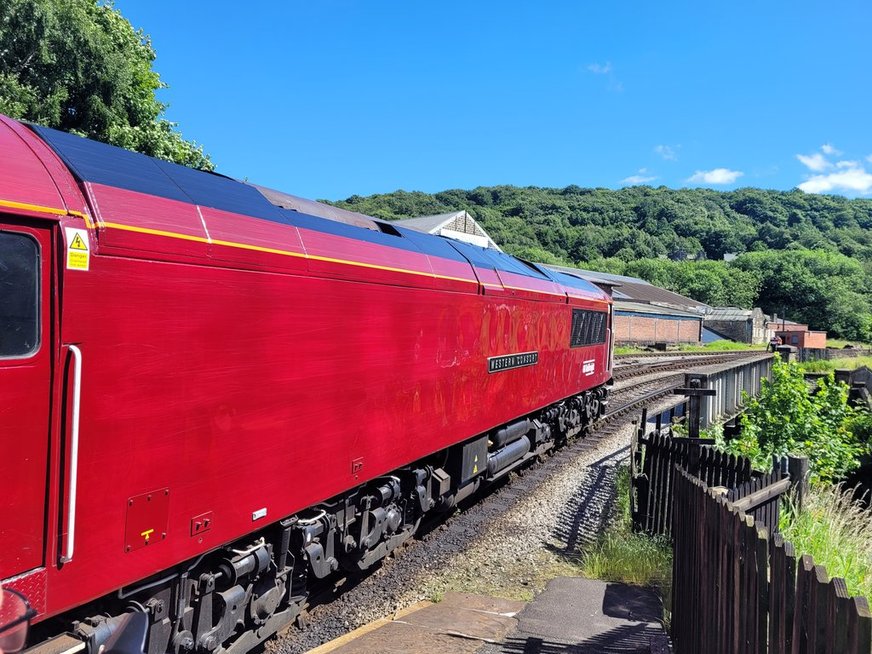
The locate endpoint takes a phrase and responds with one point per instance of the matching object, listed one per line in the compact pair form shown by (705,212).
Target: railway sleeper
(230,600)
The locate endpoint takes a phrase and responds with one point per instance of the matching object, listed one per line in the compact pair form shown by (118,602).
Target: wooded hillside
(810,255)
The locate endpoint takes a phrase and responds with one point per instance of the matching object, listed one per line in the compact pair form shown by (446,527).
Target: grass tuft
(630,558)
(716,346)
(721,346)
(837,531)
(620,555)
(826,365)
(840,343)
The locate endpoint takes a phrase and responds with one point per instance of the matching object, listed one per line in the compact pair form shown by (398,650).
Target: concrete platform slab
(484,603)
(462,622)
(585,616)
(572,616)
(400,638)
(459,624)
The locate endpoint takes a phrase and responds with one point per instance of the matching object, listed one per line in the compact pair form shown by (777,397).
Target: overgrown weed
(716,346)
(837,531)
(827,365)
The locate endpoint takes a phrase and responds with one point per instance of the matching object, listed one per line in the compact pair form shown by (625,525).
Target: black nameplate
(509,361)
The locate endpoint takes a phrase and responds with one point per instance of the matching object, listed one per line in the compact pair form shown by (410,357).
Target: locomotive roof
(98,163)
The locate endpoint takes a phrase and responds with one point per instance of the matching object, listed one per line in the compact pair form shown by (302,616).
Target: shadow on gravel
(590,508)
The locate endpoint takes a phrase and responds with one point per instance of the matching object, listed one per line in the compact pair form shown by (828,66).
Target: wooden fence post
(797,466)
(694,389)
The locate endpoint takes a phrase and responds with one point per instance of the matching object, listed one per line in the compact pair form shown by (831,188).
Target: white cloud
(613,85)
(816,162)
(667,152)
(846,180)
(715,176)
(642,177)
(600,69)
(848,176)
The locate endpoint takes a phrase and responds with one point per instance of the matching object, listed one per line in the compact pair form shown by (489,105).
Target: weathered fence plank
(777,595)
(738,588)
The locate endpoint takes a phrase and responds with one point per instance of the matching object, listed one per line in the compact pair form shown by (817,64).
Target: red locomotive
(210,400)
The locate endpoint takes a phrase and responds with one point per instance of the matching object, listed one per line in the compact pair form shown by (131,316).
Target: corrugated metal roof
(593,278)
(640,291)
(654,309)
(634,289)
(610,276)
(728,313)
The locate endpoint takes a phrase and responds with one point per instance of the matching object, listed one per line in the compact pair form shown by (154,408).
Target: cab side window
(19,295)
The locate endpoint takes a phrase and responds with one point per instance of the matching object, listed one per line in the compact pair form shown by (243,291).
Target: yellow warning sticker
(78,249)
(78,243)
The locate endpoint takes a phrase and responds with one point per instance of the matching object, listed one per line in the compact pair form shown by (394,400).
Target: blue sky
(329,98)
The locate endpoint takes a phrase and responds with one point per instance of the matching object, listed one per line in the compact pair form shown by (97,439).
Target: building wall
(747,330)
(795,327)
(759,335)
(646,329)
(735,330)
(817,340)
(811,340)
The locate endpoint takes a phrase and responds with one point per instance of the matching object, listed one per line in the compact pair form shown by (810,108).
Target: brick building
(798,335)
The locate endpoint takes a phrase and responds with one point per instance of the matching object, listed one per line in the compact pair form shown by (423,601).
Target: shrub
(786,419)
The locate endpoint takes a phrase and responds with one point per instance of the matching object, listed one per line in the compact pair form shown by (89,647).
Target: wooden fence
(736,589)
(652,473)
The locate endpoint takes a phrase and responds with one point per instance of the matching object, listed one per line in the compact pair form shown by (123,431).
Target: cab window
(19,295)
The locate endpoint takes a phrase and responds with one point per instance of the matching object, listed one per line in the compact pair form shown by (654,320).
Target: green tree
(825,289)
(80,66)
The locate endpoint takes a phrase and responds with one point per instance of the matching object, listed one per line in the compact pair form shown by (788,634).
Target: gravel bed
(508,544)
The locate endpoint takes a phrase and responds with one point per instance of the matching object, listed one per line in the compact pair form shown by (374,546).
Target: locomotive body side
(237,367)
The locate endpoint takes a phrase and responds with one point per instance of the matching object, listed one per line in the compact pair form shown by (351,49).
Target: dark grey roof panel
(312,208)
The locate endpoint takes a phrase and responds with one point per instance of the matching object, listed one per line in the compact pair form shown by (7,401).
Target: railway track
(627,366)
(689,355)
(442,547)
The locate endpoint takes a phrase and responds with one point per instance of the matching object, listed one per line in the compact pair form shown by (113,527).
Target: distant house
(798,335)
(458,225)
(742,325)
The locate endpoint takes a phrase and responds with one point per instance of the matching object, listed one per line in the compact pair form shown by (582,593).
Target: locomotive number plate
(510,361)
